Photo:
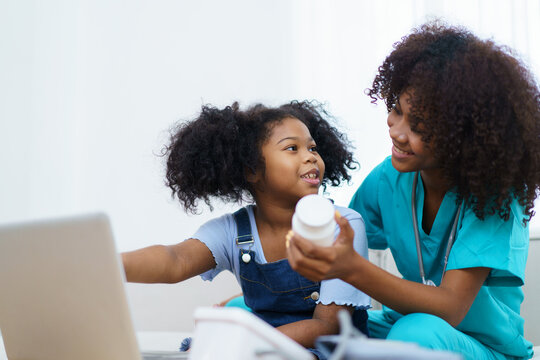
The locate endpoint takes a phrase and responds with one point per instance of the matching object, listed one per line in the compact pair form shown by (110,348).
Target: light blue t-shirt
(219,236)
(384,200)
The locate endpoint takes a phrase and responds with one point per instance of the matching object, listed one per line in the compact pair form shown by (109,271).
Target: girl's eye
(313,148)
(397,109)
(291,148)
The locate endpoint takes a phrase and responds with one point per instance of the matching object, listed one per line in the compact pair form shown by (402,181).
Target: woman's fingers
(309,249)
(310,268)
(318,262)
(346,232)
(310,260)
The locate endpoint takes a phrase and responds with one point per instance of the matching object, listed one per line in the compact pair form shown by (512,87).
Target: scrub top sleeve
(215,234)
(493,243)
(366,202)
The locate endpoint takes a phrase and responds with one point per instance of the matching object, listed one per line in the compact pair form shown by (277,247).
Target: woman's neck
(434,182)
(435,188)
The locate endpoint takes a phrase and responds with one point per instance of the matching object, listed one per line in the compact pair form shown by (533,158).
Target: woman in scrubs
(453,200)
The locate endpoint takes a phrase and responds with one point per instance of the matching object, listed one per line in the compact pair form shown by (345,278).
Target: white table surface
(160,340)
(168,341)
(148,340)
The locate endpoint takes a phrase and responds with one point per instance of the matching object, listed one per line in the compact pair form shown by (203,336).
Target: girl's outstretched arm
(324,322)
(167,264)
(450,301)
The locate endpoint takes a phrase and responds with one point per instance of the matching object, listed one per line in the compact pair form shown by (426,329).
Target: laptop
(62,293)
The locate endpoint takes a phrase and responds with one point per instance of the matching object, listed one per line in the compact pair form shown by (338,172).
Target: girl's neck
(273,222)
(273,216)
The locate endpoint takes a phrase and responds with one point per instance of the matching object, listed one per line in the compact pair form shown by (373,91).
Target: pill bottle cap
(315,210)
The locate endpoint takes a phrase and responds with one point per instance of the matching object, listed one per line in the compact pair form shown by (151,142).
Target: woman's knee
(426,330)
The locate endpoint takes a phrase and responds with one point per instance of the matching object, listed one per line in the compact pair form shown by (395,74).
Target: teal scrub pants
(238,302)
(428,331)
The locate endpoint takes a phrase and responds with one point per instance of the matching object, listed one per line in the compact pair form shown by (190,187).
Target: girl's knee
(426,330)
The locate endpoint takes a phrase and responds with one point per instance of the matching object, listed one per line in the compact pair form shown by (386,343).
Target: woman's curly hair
(210,156)
(478,105)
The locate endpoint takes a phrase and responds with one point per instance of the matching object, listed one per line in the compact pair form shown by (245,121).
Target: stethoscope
(449,243)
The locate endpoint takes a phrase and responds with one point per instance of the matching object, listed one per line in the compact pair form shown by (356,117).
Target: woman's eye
(397,109)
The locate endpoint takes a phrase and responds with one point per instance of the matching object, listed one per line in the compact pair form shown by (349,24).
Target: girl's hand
(319,263)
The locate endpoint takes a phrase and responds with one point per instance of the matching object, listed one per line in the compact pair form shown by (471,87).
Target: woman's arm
(324,322)
(450,301)
(168,264)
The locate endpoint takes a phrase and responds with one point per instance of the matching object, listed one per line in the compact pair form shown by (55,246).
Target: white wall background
(88,90)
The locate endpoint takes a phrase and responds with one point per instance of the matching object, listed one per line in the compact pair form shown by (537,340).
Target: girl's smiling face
(293,167)
(409,151)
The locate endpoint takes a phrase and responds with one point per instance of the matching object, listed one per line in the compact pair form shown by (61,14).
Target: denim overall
(274,291)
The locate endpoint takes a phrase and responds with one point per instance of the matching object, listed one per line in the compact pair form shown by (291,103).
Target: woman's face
(409,152)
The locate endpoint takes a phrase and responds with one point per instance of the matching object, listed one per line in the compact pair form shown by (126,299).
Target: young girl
(452,202)
(273,156)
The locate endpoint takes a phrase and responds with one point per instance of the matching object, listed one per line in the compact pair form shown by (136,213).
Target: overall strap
(241,217)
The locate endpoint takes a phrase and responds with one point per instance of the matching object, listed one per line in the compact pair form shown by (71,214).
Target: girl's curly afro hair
(478,105)
(210,156)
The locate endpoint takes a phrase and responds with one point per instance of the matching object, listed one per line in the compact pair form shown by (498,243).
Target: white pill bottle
(313,219)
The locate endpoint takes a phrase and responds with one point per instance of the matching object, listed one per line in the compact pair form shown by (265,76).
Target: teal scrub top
(384,201)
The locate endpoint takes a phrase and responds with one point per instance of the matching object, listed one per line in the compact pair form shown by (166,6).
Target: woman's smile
(397,152)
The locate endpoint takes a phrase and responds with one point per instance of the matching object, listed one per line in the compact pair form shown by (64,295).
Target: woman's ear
(252,177)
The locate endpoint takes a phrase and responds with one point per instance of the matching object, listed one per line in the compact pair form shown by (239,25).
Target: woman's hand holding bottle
(323,262)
